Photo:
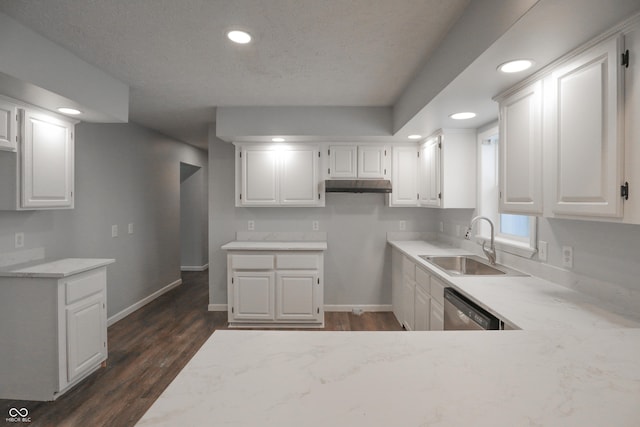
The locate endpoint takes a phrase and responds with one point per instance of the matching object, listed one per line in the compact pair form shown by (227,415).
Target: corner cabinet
(275,288)
(56,333)
(447,170)
(278,176)
(37,172)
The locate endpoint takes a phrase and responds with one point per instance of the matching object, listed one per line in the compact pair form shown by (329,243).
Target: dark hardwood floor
(147,349)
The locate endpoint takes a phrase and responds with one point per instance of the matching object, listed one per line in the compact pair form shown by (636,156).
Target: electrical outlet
(567,256)
(130,228)
(251,225)
(441,227)
(315,225)
(543,248)
(114,231)
(19,240)
(403,225)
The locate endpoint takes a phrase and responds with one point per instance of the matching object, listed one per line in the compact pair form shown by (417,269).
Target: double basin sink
(469,265)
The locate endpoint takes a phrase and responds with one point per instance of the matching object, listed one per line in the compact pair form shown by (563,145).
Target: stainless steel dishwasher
(462,314)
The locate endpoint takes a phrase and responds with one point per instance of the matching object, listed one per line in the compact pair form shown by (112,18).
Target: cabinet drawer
(82,285)
(408,268)
(252,262)
(437,290)
(297,262)
(422,279)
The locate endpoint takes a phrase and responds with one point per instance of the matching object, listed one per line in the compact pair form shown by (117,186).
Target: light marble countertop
(453,378)
(274,246)
(54,268)
(528,302)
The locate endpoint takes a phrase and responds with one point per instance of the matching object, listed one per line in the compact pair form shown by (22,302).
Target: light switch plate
(114,231)
(130,228)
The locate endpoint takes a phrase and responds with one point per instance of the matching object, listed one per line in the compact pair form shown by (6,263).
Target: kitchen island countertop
(454,378)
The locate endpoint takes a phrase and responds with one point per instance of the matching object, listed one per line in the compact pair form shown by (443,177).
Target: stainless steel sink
(469,265)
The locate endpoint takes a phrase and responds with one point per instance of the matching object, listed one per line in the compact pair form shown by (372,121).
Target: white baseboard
(217,307)
(127,311)
(333,307)
(360,307)
(194,267)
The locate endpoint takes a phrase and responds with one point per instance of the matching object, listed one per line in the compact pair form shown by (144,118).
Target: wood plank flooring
(147,349)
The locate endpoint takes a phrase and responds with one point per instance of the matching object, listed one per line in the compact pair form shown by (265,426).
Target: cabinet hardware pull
(625,59)
(624,191)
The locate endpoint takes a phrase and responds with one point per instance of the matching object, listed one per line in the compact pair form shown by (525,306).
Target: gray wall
(194,246)
(124,174)
(358,261)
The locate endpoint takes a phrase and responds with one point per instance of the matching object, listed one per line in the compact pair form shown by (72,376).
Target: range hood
(357,186)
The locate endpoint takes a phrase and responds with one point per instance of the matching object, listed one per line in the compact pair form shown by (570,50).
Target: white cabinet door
(586,131)
(408,303)
(260,180)
(429,185)
(8,126)
(47,162)
(343,161)
(437,316)
(520,151)
(422,310)
(404,176)
(297,295)
(371,161)
(86,335)
(299,176)
(253,296)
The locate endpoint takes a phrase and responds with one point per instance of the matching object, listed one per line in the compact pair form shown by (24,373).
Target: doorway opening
(193,219)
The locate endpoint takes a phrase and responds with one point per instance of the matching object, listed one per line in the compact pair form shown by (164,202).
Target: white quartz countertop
(453,378)
(239,245)
(54,268)
(528,302)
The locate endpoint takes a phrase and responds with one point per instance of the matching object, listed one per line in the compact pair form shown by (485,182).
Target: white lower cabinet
(417,296)
(54,333)
(275,288)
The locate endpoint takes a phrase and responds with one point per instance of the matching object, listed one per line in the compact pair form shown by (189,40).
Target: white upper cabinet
(47,161)
(404,176)
(278,177)
(447,170)
(343,161)
(357,161)
(372,161)
(586,135)
(36,158)
(520,151)
(8,126)
(429,183)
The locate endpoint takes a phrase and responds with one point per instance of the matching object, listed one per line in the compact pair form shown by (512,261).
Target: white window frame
(521,246)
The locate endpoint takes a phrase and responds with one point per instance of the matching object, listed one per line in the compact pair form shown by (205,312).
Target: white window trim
(520,247)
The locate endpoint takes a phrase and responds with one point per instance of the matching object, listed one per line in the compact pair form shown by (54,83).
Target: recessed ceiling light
(240,37)
(72,111)
(415,136)
(277,139)
(515,66)
(463,116)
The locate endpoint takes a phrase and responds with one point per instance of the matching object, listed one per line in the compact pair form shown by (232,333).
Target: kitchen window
(515,234)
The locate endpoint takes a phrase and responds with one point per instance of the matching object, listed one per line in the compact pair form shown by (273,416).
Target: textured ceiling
(180,66)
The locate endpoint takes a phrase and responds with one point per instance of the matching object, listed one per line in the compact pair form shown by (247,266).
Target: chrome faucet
(491,252)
